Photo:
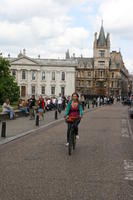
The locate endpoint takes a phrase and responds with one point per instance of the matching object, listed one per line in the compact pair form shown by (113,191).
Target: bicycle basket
(72,119)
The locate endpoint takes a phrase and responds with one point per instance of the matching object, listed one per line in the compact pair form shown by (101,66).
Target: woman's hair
(7,100)
(75,93)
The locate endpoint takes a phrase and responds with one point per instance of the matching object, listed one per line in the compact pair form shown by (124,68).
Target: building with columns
(47,77)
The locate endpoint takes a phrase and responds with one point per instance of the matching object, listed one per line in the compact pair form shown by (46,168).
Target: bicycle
(72,134)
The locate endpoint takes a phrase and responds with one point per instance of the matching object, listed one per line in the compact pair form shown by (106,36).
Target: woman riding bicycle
(73,111)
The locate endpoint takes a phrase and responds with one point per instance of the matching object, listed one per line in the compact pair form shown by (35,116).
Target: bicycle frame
(72,138)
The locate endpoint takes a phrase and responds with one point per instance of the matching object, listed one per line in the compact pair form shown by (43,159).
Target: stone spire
(67,54)
(101,40)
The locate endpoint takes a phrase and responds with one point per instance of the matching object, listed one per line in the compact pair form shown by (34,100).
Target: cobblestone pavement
(37,166)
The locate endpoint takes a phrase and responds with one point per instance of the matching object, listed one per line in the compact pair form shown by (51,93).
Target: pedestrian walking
(60,100)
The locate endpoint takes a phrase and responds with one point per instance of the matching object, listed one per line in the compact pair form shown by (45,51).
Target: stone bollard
(37,119)
(56,114)
(3,130)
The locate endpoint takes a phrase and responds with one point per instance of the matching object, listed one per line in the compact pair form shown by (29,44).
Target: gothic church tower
(101,50)
(101,58)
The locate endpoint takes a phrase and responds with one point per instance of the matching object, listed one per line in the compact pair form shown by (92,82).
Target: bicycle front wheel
(74,140)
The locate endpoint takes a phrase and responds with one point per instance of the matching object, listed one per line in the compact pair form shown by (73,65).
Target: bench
(5,116)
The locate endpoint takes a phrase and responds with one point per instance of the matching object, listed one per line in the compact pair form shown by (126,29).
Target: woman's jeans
(24,109)
(69,127)
(11,113)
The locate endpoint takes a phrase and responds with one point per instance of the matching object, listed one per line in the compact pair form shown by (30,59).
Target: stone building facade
(47,77)
(103,75)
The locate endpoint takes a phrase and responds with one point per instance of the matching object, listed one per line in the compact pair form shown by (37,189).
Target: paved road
(101,168)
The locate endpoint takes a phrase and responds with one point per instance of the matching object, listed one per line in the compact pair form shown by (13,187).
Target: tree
(8,86)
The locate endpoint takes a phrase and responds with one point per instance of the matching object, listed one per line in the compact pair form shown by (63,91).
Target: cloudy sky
(49,27)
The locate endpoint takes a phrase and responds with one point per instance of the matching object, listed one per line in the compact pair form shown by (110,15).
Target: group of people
(102,101)
(31,106)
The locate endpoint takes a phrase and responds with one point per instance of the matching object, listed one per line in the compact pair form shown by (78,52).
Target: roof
(85,61)
(101,40)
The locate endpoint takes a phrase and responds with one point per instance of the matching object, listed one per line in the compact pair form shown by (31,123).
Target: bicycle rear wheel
(70,143)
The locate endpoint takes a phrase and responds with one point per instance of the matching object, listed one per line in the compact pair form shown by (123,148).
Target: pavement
(22,125)
(38,166)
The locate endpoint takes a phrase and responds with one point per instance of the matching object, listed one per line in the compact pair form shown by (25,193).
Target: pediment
(24,61)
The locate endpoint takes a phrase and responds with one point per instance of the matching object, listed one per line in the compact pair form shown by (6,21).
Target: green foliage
(8,86)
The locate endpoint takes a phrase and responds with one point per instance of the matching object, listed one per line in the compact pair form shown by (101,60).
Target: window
(112,84)
(118,83)
(101,63)
(33,75)
(95,74)
(82,74)
(33,90)
(82,83)
(89,74)
(23,74)
(112,74)
(101,74)
(43,75)
(63,76)
(118,65)
(63,91)
(14,72)
(78,83)
(53,90)
(101,53)
(88,83)
(97,84)
(43,89)
(53,76)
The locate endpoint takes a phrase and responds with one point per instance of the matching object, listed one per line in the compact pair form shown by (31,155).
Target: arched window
(63,76)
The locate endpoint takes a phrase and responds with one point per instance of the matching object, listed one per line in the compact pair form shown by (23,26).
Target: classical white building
(47,77)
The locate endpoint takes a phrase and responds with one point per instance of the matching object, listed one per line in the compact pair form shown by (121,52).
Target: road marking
(124,128)
(128,166)
(130,129)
